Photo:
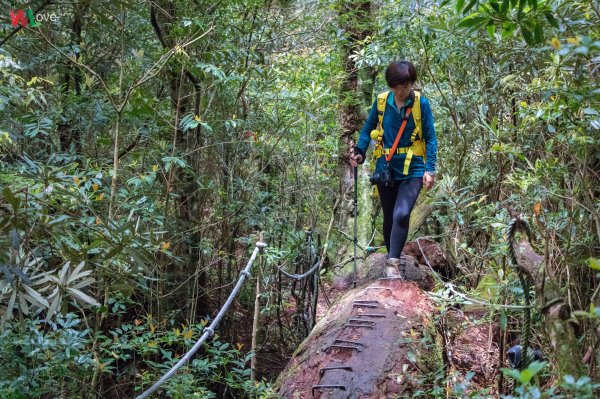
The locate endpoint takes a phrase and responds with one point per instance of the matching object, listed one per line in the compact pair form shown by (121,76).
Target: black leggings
(397,203)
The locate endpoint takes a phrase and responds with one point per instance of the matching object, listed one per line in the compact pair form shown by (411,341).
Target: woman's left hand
(428,181)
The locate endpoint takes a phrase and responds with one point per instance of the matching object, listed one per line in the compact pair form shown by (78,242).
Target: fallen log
(365,346)
(381,341)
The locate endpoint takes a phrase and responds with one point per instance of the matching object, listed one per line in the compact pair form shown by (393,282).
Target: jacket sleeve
(429,135)
(365,134)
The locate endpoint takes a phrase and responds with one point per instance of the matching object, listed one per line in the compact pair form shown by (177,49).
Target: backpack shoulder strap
(381,101)
(416,112)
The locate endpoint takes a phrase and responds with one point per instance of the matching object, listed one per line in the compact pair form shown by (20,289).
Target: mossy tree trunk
(356,91)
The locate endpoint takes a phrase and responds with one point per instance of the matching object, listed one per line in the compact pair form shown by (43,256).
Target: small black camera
(384,177)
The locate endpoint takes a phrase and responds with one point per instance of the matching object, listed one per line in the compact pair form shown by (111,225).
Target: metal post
(355,221)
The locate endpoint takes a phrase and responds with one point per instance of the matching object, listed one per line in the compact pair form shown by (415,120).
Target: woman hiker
(400,175)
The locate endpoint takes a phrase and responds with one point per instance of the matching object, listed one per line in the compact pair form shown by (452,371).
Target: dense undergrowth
(147,146)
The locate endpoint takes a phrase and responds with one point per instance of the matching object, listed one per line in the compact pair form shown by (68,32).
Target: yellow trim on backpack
(377,134)
(404,150)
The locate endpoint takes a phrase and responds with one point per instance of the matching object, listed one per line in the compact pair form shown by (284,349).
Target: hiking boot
(396,265)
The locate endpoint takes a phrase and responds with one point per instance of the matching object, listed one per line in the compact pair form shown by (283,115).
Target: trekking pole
(355,220)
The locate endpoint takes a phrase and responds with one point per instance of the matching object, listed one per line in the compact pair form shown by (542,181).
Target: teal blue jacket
(392,119)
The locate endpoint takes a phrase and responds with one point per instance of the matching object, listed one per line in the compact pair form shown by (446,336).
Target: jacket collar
(409,101)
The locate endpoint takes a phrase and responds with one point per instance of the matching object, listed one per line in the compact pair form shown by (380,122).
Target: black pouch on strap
(385,177)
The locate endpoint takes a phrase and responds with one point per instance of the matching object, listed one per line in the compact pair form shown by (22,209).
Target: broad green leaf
(459,5)
(569,379)
(75,273)
(23,303)
(53,306)
(59,219)
(84,283)
(472,20)
(15,239)
(38,298)
(491,29)
(507,29)
(206,127)
(14,201)
(594,263)
(530,371)
(469,6)
(525,376)
(533,4)
(4,269)
(62,275)
(22,275)
(538,33)
(551,20)
(527,35)
(8,312)
(125,288)
(512,373)
(503,321)
(82,297)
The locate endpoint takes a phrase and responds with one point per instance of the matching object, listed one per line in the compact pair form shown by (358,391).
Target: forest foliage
(146,147)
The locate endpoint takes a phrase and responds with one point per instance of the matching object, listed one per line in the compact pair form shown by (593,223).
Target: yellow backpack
(417,146)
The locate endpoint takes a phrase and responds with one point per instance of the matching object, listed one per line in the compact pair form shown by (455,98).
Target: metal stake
(355,220)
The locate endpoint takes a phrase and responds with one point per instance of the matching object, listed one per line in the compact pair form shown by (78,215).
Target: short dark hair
(400,72)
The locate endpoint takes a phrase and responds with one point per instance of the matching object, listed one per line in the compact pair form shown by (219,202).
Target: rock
(376,266)
(436,256)
(417,273)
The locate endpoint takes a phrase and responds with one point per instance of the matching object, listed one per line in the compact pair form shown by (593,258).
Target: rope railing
(210,330)
(300,276)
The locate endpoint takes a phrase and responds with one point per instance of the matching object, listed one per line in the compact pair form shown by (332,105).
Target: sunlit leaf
(82,297)
(594,263)
(473,20)
(38,299)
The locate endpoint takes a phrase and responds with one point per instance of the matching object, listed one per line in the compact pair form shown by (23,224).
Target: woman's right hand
(355,159)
